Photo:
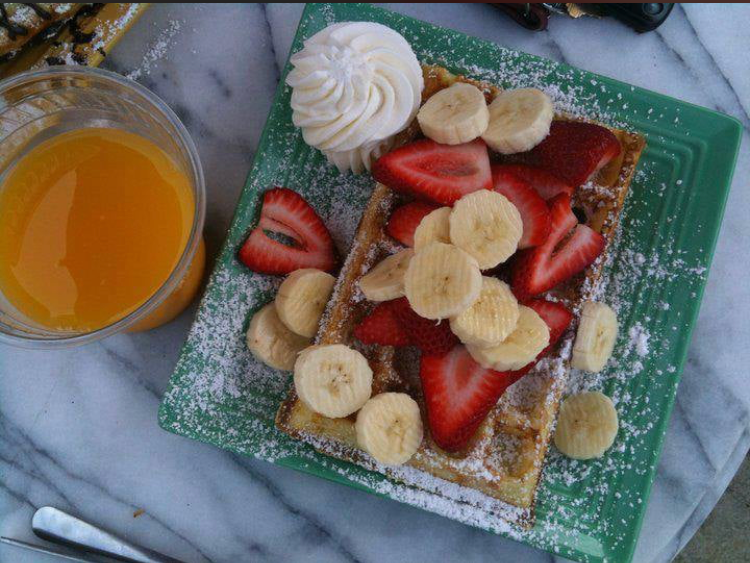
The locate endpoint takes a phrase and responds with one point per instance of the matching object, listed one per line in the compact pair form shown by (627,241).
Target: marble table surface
(78,428)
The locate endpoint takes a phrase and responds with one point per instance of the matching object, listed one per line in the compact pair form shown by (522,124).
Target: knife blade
(41,549)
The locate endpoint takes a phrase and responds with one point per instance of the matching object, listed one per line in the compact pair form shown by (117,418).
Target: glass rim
(49,339)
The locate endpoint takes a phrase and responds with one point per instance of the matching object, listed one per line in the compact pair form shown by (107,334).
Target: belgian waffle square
(506,457)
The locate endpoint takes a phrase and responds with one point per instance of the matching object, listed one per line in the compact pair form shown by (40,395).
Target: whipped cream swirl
(355,85)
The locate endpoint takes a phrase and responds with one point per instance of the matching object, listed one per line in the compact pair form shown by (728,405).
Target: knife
(59,527)
(47,550)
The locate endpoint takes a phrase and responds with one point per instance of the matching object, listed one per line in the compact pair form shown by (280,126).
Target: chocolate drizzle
(39,10)
(13,29)
(80,37)
(74,25)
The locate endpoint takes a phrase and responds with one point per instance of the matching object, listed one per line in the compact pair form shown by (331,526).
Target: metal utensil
(59,527)
(42,549)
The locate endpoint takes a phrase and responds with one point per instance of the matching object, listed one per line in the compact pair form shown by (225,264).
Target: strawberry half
(430,337)
(405,220)
(438,173)
(533,209)
(458,394)
(574,151)
(536,270)
(546,185)
(285,211)
(382,326)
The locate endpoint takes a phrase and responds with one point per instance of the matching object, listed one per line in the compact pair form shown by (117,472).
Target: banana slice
(492,317)
(519,120)
(586,426)
(302,298)
(272,342)
(487,226)
(389,428)
(333,380)
(527,340)
(434,227)
(386,280)
(454,115)
(442,281)
(595,338)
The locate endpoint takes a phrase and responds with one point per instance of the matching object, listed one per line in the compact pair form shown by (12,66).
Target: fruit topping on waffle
(405,220)
(569,249)
(437,173)
(574,151)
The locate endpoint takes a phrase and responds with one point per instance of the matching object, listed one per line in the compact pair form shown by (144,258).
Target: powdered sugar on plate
(638,339)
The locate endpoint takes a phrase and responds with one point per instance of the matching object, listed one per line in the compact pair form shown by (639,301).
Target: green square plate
(589,511)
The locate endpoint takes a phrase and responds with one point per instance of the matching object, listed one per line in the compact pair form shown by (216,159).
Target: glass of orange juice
(102,203)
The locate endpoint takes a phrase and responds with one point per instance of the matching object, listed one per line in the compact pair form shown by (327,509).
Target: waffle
(506,456)
(26,23)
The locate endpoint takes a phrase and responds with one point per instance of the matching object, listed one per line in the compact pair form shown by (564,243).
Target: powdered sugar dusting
(157,50)
(105,29)
(638,339)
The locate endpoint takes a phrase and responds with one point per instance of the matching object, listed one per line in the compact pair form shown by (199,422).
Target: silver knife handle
(57,526)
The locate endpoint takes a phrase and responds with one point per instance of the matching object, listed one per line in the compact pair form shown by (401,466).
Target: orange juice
(92,223)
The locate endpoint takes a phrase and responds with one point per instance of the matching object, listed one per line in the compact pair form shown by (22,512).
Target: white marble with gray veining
(78,428)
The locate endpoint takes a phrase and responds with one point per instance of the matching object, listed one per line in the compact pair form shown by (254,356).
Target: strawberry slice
(533,209)
(405,220)
(394,323)
(430,337)
(547,185)
(438,173)
(286,212)
(539,269)
(458,394)
(574,151)
(382,326)
(557,316)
